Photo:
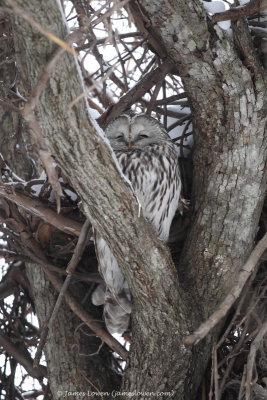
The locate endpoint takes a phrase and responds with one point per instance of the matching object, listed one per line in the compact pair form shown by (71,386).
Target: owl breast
(154,174)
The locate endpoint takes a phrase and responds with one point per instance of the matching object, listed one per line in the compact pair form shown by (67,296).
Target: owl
(149,159)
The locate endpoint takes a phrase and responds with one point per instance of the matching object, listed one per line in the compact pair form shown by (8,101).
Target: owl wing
(115,293)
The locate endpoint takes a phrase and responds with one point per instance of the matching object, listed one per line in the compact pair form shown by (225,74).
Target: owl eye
(119,136)
(143,136)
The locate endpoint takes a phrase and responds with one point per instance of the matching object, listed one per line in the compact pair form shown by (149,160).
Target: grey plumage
(149,159)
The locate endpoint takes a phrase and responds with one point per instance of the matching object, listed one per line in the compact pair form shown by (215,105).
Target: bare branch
(37,208)
(251,358)
(105,40)
(9,107)
(22,356)
(233,14)
(86,318)
(143,25)
(145,84)
(38,256)
(78,251)
(229,300)
(110,11)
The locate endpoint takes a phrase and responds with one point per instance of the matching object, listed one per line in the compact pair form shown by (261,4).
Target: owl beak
(130,145)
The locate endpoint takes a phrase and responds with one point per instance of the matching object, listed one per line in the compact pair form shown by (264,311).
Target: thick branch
(254,6)
(143,86)
(38,209)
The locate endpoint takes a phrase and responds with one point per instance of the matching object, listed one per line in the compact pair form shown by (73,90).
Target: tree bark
(226,87)
(12,143)
(229,101)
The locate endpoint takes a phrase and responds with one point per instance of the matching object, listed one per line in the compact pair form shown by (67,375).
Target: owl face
(134,132)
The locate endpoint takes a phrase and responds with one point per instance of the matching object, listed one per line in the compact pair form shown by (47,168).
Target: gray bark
(228,98)
(229,102)
(13,145)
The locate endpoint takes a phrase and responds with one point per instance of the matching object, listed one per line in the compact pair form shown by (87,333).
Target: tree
(225,85)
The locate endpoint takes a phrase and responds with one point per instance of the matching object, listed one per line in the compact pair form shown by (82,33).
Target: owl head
(135,132)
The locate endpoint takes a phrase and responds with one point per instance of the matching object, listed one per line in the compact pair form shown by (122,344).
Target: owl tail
(117,308)
(98,296)
(116,319)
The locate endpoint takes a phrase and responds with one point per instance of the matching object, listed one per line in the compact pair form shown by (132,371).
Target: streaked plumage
(149,159)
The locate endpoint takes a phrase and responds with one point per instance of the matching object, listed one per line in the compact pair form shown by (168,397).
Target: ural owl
(148,158)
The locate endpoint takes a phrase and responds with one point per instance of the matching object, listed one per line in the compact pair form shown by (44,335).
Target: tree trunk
(226,87)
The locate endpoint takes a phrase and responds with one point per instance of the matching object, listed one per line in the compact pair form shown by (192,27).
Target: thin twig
(23,357)
(179,122)
(78,251)
(171,99)
(154,96)
(230,360)
(79,310)
(83,277)
(94,86)
(110,11)
(124,75)
(251,358)
(105,40)
(242,386)
(215,373)
(212,375)
(88,320)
